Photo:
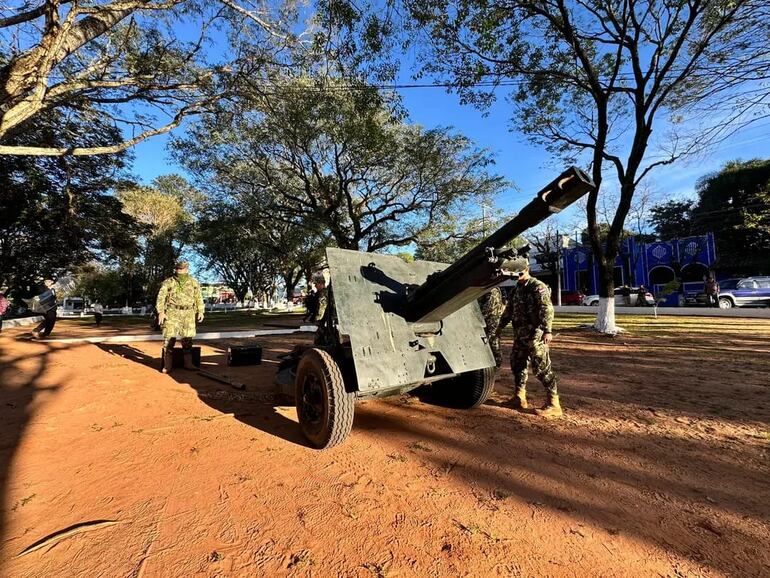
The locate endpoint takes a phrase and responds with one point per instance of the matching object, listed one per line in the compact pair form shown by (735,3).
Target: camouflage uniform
(322,301)
(492,307)
(325,318)
(181,300)
(531,311)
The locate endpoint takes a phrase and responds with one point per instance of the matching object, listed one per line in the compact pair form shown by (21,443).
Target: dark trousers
(712,300)
(187,343)
(46,325)
(98,319)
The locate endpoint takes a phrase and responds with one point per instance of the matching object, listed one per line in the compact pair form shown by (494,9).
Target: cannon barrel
(477,271)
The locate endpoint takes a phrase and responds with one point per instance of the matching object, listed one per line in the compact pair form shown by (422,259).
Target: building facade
(650,264)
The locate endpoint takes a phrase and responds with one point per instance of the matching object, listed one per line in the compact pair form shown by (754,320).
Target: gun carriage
(392,326)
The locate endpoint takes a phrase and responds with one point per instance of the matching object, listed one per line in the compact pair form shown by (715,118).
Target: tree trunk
(605,317)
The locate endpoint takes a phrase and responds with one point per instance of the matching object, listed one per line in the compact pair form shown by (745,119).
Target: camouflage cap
(181,265)
(514,266)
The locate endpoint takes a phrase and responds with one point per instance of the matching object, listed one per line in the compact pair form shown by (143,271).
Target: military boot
(168,360)
(188,361)
(520,399)
(552,407)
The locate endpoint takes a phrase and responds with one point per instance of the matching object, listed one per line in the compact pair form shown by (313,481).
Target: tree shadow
(22,378)
(653,376)
(257,406)
(624,483)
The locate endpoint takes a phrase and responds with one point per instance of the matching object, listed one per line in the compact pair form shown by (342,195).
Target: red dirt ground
(659,468)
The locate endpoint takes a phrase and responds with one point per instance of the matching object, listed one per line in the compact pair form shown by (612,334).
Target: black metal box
(244,355)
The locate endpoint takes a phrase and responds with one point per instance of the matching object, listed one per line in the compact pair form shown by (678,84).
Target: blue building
(650,264)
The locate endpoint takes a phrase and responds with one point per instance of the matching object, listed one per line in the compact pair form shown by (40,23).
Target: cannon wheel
(472,388)
(324,408)
(464,391)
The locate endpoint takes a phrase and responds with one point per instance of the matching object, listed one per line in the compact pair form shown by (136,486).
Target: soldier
(45,303)
(179,303)
(492,307)
(531,311)
(323,334)
(322,298)
(641,296)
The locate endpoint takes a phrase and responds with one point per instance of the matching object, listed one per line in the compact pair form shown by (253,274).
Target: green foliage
(58,213)
(672,219)
(248,251)
(113,287)
(333,154)
(604,230)
(734,204)
(165,210)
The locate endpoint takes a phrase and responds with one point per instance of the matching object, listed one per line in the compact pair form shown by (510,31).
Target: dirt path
(659,468)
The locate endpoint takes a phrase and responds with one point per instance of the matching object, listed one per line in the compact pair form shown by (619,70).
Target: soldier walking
(531,312)
(179,304)
(492,307)
(44,303)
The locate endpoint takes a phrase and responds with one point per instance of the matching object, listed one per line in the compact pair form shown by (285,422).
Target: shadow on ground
(24,385)
(255,407)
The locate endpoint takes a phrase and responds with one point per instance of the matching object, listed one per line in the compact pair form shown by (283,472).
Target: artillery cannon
(392,326)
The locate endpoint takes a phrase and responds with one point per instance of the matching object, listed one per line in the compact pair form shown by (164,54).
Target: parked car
(744,292)
(620,300)
(571,298)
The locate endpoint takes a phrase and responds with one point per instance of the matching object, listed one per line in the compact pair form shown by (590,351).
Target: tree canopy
(734,203)
(336,155)
(58,213)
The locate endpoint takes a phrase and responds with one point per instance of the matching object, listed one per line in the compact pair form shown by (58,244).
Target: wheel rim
(724,304)
(312,404)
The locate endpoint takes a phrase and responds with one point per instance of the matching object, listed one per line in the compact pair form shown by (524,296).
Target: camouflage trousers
(497,353)
(535,351)
(169,342)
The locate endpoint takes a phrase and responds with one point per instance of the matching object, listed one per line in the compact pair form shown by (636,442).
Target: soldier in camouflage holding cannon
(492,307)
(531,311)
(179,305)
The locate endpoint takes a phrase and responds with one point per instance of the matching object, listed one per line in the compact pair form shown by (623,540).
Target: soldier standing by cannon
(531,312)
(179,305)
(492,306)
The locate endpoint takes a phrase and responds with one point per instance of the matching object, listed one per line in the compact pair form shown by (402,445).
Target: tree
(249,251)
(120,60)
(113,286)
(672,219)
(59,213)
(591,81)
(734,204)
(334,154)
(165,208)
(451,235)
(547,244)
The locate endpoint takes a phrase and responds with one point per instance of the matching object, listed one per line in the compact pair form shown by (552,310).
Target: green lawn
(647,325)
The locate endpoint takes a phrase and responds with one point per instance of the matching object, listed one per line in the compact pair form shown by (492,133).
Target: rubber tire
(593,304)
(338,404)
(471,389)
(725,303)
